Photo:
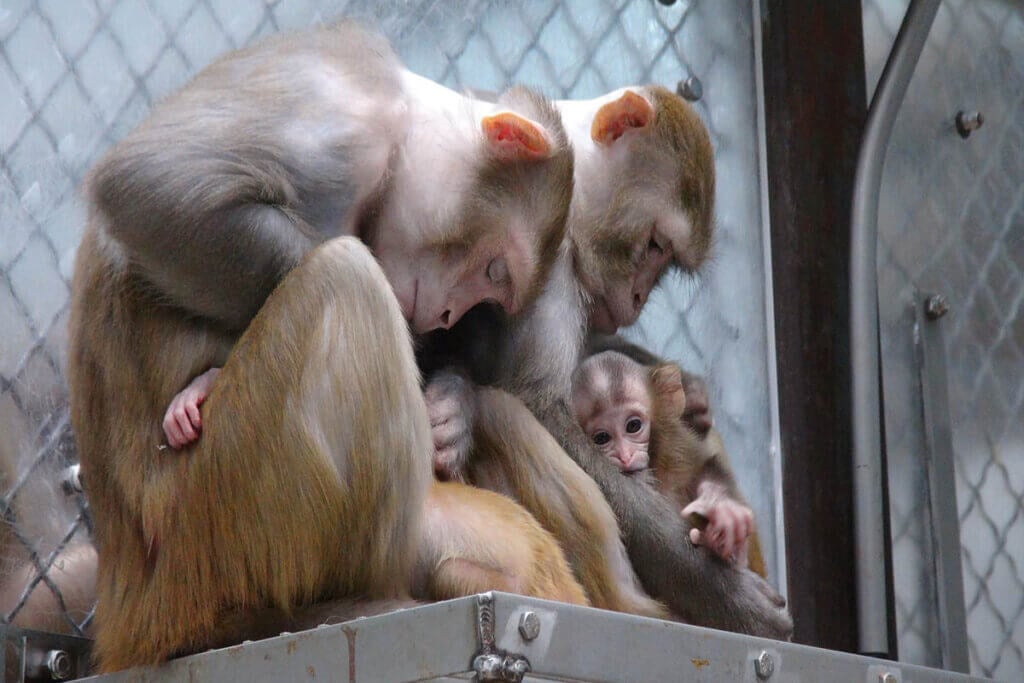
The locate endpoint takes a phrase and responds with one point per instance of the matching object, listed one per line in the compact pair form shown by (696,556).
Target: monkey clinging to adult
(642,203)
(208,246)
(634,414)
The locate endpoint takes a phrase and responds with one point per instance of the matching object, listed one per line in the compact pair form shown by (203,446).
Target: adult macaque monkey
(634,415)
(643,202)
(202,251)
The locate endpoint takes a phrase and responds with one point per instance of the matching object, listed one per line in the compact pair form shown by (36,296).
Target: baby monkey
(634,414)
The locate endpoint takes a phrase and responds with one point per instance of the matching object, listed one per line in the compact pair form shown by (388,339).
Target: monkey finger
(696,507)
(188,433)
(696,537)
(192,410)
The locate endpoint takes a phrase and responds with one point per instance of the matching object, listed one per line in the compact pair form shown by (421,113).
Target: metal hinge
(490,663)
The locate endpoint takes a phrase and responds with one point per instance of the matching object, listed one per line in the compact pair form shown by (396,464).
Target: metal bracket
(490,663)
(941,474)
(41,656)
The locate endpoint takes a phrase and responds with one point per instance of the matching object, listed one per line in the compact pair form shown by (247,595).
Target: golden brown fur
(516,456)
(258,513)
(475,541)
(679,458)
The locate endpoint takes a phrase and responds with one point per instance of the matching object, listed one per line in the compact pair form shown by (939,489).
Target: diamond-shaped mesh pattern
(75,77)
(952,221)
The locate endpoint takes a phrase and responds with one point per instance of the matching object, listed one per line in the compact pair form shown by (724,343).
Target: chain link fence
(952,221)
(75,77)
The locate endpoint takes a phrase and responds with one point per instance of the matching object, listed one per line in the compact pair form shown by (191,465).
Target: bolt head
(667,2)
(764,665)
(529,625)
(936,307)
(888,678)
(58,663)
(690,89)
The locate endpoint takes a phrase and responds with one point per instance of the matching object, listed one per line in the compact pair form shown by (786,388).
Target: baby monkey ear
(667,387)
(514,138)
(615,118)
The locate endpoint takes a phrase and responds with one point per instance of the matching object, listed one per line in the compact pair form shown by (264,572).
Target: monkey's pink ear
(615,118)
(514,138)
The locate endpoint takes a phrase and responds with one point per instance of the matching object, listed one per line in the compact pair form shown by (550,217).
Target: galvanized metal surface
(437,642)
(867,429)
(949,579)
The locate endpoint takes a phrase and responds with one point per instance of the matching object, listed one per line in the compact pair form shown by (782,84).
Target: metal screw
(58,664)
(936,307)
(764,665)
(529,626)
(71,480)
(667,3)
(968,121)
(691,89)
(888,678)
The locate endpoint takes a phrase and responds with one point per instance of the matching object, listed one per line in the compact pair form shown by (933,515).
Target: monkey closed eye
(497,271)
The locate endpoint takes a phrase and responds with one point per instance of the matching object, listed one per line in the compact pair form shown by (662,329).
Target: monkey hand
(729,522)
(697,415)
(451,408)
(182,422)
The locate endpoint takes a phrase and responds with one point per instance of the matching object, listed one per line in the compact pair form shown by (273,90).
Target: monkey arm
(694,584)
(211,237)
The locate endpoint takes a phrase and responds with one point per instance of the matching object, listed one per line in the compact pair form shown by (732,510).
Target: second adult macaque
(643,200)
(634,415)
(209,244)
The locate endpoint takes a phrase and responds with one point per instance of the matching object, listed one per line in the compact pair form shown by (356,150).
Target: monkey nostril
(446,318)
(638,301)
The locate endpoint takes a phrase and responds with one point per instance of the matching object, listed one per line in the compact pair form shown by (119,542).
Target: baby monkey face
(623,432)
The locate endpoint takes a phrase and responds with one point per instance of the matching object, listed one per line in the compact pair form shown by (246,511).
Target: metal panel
(942,483)
(409,645)
(573,643)
(951,219)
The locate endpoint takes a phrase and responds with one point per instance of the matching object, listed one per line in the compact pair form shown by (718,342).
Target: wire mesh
(952,221)
(75,77)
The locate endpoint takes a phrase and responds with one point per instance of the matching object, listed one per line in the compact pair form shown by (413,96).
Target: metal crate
(503,637)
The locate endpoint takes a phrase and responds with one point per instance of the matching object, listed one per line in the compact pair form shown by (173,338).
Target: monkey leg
(516,456)
(307,482)
(474,541)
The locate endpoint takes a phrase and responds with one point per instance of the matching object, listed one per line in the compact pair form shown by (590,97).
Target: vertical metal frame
(775,452)
(930,345)
(869,518)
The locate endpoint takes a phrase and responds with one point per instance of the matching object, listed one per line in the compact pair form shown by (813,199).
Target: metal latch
(490,663)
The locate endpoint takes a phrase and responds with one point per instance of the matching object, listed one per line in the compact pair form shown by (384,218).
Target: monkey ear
(515,138)
(667,383)
(615,118)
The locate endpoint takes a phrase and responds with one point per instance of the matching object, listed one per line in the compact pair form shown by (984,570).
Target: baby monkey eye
(633,425)
(601,438)
(497,270)
(655,247)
